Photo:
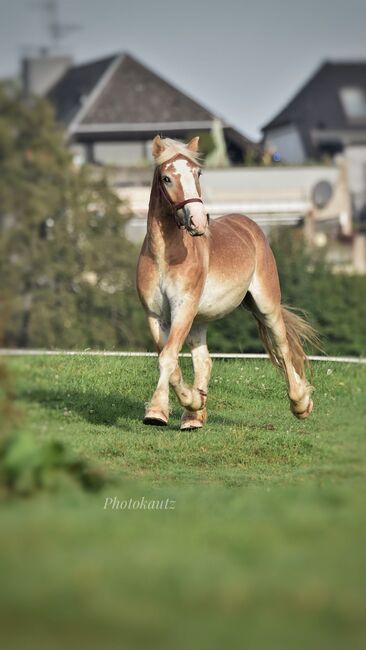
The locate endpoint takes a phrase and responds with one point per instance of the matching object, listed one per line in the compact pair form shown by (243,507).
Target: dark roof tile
(317,104)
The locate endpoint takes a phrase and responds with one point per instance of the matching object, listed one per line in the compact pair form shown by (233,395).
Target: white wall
(119,153)
(265,183)
(269,195)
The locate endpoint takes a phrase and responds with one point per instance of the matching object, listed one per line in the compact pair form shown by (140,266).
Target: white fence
(115,353)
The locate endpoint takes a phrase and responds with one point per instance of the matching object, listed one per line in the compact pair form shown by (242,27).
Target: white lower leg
(190,397)
(159,402)
(202,365)
(299,392)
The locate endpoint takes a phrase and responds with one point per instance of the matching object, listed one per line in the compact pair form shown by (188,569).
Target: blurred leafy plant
(27,467)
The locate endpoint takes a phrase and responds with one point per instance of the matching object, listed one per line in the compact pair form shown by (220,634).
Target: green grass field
(263,545)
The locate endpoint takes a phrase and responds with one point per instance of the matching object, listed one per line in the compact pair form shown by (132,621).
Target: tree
(66,269)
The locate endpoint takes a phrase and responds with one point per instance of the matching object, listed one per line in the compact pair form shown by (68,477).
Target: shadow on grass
(108,409)
(91,406)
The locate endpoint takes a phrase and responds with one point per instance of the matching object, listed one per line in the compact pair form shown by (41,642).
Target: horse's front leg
(160,331)
(202,366)
(157,411)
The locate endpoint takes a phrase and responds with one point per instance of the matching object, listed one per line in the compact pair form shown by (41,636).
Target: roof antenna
(56,29)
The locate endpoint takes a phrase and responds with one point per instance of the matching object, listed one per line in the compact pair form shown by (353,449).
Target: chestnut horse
(191,272)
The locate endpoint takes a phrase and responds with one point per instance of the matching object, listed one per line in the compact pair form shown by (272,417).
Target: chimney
(42,71)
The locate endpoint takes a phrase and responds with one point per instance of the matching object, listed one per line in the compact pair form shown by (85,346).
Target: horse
(192,271)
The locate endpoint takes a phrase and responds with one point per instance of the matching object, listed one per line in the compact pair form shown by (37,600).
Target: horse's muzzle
(188,224)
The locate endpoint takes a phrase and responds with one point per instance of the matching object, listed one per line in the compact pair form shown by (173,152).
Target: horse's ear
(193,144)
(157,146)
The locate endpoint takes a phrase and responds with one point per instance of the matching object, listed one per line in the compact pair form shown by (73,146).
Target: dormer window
(353,100)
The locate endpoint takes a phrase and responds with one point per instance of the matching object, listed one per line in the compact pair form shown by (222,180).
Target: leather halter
(180,204)
(177,206)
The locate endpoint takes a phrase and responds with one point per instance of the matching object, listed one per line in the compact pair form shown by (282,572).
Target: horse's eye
(166,179)
(199,173)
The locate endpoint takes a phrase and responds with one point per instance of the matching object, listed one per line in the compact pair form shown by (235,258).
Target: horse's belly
(220,298)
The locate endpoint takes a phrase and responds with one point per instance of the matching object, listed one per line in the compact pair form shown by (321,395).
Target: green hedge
(335,303)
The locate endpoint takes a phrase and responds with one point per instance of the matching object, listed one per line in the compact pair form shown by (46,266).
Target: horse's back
(243,227)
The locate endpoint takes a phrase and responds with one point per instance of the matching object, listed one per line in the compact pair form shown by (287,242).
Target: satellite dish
(322,193)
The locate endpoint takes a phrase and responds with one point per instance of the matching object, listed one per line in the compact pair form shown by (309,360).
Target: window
(354,102)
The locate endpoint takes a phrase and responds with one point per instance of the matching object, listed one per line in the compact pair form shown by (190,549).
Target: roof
(241,140)
(119,98)
(317,104)
(120,90)
(135,94)
(69,93)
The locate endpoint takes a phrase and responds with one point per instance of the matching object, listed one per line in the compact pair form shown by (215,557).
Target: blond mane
(175,147)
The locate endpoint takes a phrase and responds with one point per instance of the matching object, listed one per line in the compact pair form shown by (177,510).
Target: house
(112,109)
(327,115)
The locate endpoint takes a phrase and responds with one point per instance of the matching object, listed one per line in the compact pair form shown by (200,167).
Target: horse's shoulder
(239,223)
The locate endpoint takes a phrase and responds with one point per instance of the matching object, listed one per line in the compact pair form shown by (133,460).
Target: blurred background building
(114,107)
(308,171)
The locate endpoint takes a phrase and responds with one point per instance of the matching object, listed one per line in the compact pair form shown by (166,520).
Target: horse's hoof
(192,420)
(155,418)
(305,414)
(193,423)
(157,422)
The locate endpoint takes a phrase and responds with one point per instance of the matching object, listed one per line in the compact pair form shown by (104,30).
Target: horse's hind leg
(280,331)
(202,366)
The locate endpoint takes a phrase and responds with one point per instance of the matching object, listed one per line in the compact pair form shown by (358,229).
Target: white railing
(8,352)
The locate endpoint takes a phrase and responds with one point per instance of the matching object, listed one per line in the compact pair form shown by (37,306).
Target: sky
(242,59)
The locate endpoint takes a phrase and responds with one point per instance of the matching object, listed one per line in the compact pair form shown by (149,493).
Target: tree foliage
(334,301)
(66,269)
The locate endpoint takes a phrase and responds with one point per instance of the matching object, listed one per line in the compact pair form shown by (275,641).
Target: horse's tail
(299,332)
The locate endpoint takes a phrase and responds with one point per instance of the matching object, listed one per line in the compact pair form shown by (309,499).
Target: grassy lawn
(263,540)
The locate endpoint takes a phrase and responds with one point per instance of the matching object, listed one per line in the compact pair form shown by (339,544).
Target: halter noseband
(177,206)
